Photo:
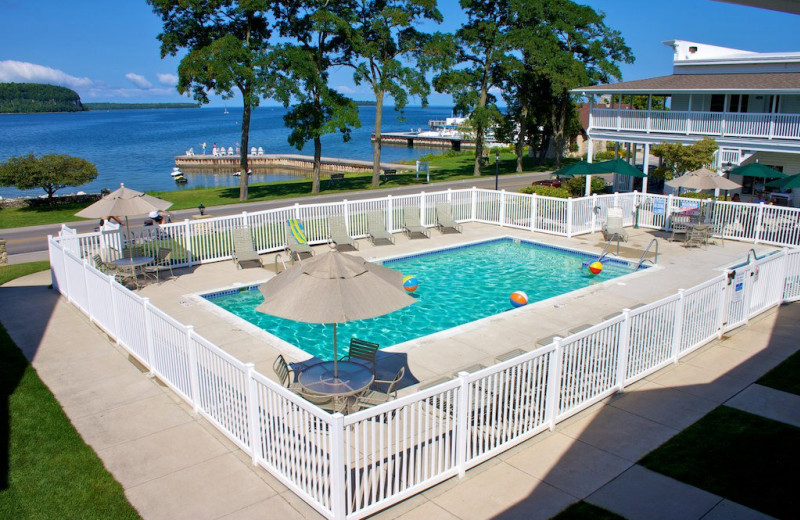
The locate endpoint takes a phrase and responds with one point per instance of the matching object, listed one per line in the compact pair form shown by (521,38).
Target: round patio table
(353,378)
(133,263)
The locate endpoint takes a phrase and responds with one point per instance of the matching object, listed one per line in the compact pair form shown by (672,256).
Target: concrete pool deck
(173,464)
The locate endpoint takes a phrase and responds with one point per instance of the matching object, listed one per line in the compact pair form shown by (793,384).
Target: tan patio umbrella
(124,202)
(334,288)
(703,179)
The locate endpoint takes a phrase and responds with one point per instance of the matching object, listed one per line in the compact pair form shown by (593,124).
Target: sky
(108,51)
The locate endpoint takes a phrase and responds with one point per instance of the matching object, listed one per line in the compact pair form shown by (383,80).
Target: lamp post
(202,209)
(496,169)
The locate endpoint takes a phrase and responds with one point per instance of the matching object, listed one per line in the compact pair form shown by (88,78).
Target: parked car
(553,183)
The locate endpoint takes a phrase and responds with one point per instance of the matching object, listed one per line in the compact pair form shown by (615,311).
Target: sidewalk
(173,464)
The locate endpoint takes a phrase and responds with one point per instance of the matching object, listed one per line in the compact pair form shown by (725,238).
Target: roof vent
(692,49)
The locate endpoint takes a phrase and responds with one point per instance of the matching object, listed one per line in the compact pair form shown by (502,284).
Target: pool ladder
(278,258)
(608,244)
(647,250)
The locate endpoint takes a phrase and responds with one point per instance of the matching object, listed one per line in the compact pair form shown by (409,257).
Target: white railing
(348,467)
(722,124)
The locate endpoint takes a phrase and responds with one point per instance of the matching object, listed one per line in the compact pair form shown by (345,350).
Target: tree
(388,53)
(481,49)
(319,28)
(226,42)
(679,159)
(50,172)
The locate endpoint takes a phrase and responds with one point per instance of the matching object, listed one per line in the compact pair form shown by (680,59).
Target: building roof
(786,82)
(787,6)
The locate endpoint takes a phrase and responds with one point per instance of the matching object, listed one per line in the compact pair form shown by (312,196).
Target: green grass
(46,471)
(446,167)
(784,376)
(585,511)
(740,456)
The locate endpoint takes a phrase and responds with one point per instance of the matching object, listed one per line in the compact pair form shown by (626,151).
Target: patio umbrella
(789,181)
(334,288)
(703,179)
(578,168)
(618,166)
(757,170)
(124,202)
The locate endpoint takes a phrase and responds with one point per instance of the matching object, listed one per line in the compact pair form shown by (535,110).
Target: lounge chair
(376,227)
(614,226)
(296,241)
(338,232)
(380,392)
(412,224)
(243,253)
(444,218)
(363,352)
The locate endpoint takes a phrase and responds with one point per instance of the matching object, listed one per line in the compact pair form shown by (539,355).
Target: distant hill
(366,103)
(138,106)
(22,98)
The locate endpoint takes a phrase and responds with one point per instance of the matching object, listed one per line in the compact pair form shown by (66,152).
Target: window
(738,103)
(717,103)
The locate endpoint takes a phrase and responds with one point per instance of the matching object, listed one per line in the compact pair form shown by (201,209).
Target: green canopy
(618,166)
(757,170)
(578,168)
(786,182)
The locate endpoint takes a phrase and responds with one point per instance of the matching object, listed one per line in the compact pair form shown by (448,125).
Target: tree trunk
(317,161)
(520,143)
(559,119)
(478,149)
(376,145)
(544,147)
(245,145)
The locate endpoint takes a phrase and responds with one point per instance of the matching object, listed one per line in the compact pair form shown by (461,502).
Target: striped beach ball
(519,298)
(596,267)
(410,283)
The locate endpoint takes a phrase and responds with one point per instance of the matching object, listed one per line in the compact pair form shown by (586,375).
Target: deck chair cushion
(297,230)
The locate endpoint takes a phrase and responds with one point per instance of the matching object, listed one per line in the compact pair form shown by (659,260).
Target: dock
(412,139)
(292,162)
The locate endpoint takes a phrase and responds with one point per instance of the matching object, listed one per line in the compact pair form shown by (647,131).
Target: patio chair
(363,352)
(338,232)
(328,403)
(376,227)
(296,241)
(697,236)
(243,253)
(679,224)
(380,392)
(120,274)
(286,376)
(614,225)
(163,259)
(444,218)
(412,224)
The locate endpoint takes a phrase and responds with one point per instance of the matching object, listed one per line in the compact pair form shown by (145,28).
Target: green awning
(786,182)
(757,170)
(618,166)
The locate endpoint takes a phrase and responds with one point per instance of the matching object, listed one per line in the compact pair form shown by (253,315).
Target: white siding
(680,102)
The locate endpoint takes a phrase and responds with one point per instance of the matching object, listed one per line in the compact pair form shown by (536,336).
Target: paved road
(30,243)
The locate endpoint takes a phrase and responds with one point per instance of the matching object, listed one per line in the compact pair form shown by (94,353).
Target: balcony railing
(721,124)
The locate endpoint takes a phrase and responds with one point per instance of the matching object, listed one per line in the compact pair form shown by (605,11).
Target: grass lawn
(784,376)
(46,471)
(740,456)
(443,168)
(586,511)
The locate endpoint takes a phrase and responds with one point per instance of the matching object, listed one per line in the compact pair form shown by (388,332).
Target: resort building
(748,102)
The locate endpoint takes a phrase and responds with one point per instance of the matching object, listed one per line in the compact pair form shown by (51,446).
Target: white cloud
(169,80)
(344,89)
(138,80)
(21,71)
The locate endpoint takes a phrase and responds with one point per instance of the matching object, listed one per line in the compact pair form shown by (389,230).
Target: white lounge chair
(338,232)
(412,224)
(444,218)
(243,252)
(376,227)
(614,225)
(296,241)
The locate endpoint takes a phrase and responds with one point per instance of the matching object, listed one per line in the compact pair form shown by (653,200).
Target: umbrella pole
(130,249)
(335,355)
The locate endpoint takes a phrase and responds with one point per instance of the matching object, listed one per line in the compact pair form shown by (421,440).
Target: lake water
(138,147)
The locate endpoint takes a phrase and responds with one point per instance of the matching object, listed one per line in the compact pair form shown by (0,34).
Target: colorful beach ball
(596,267)
(519,298)
(410,283)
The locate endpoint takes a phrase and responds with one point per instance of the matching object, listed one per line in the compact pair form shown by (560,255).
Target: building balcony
(689,123)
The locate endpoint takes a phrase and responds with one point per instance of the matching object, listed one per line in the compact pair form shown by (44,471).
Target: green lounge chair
(376,227)
(296,241)
(444,218)
(243,253)
(338,232)
(412,224)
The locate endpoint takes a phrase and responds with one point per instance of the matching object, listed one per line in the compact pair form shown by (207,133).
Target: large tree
(50,172)
(317,31)
(226,41)
(388,53)
(481,48)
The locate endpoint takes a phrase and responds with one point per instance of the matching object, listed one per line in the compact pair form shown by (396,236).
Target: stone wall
(35,202)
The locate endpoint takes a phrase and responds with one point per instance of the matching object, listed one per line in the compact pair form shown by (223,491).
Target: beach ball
(410,283)
(519,298)
(595,267)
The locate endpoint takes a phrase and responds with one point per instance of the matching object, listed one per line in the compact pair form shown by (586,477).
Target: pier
(412,139)
(292,162)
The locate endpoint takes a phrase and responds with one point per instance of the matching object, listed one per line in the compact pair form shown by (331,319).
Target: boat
(176,172)
(225,111)
(181,179)
(239,173)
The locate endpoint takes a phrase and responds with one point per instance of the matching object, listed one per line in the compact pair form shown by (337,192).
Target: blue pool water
(456,286)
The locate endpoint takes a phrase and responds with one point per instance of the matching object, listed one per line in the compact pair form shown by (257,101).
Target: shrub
(700,195)
(577,185)
(546,191)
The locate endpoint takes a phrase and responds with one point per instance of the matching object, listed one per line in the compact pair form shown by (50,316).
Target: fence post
(502,216)
(723,307)
(624,344)
(338,483)
(89,299)
(616,198)
(64,270)
(188,239)
(346,213)
(678,328)
(114,311)
(474,203)
(668,214)
(423,217)
(252,413)
(748,294)
(534,210)
(594,212)
(194,379)
(784,270)
(759,222)
(554,384)
(449,194)
(462,423)
(569,217)
(297,210)
(390,214)
(148,335)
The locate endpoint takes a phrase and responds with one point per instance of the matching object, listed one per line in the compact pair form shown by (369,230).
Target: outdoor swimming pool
(456,286)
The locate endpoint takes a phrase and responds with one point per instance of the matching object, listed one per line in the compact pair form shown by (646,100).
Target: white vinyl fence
(348,467)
